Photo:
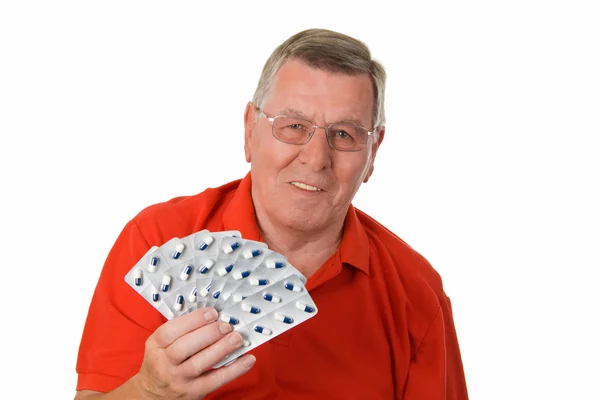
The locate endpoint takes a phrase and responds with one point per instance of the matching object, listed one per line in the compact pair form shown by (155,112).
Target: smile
(305,186)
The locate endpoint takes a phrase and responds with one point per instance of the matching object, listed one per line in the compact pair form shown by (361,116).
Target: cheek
(269,157)
(351,171)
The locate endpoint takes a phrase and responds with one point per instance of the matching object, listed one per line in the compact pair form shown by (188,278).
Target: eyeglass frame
(272,120)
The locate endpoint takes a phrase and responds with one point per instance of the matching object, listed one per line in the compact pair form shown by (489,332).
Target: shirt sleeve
(436,371)
(456,386)
(119,320)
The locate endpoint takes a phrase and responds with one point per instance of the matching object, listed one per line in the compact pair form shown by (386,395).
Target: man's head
(318,77)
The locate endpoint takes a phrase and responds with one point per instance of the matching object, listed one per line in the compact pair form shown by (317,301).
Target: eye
(341,134)
(296,126)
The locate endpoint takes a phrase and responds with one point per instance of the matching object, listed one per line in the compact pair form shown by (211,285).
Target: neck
(306,250)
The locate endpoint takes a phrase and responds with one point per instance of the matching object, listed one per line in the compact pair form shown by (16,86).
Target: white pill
(178,250)
(258,281)
(248,254)
(294,288)
(229,319)
(262,329)
(153,264)
(250,308)
(225,270)
(186,272)
(207,241)
(237,275)
(304,307)
(204,268)
(155,296)
(138,277)
(275,264)
(166,283)
(272,298)
(204,291)
(193,297)
(228,248)
(238,297)
(283,318)
(178,303)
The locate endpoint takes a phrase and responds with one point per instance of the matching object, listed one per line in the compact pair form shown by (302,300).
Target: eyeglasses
(296,130)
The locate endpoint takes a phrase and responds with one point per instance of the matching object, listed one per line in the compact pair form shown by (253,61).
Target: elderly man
(384,328)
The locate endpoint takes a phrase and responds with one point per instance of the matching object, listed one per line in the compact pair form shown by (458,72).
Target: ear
(250,116)
(374,147)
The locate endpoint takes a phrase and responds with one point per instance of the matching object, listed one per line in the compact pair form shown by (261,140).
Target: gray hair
(330,51)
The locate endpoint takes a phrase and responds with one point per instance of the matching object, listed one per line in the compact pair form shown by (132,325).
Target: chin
(304,220)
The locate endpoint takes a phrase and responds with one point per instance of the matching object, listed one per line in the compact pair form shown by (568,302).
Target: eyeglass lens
(344,137)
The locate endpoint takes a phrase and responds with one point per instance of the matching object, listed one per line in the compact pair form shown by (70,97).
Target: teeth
(305,187)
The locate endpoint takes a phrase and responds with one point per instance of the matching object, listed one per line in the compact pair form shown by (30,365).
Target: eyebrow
(298,113)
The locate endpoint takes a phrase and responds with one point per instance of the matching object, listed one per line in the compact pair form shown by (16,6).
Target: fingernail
(210,315)
(224,328)
(248,361)
(234,339)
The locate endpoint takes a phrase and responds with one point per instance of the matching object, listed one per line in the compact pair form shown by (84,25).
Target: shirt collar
(239,215)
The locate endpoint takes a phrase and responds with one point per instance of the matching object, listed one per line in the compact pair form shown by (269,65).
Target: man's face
(279,170)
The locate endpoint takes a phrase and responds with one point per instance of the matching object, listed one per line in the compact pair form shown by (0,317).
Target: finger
(216,378)
(170,331)
(191,343)
(205,359)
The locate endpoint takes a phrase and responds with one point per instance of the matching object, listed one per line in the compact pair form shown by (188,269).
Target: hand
(179,356)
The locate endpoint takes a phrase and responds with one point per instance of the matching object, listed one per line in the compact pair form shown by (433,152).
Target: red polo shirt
(384,328)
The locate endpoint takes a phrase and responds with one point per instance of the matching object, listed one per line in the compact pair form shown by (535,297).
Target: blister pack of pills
(253,288)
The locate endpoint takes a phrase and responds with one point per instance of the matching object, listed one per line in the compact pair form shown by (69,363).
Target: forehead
(320,94)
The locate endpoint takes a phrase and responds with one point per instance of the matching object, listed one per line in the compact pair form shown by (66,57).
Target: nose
(317,152)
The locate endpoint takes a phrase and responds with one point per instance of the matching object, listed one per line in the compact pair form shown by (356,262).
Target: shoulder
(406,262)
(183,215)
(411,286)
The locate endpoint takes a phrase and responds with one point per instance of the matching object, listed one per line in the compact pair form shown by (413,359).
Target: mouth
(305,186)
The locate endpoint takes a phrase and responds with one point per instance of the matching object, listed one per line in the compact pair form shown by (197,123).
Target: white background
(489,167)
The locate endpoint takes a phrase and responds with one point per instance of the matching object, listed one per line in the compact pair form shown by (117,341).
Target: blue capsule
(258,281)
(229,320)
(238,297)
(153,264)
(237,275)
(272,298)
(166,283)
(186,272)
(292,287)
(216,294)
(283,318)
(178,250)
(248,254)
(231,247)
(272,264)
(178,303)
(207,241)
(205,290)
(204,268)
(225,270)
(304,307)
(155,296)
(193,296)
(262,329)
(138,277)
(250,308)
